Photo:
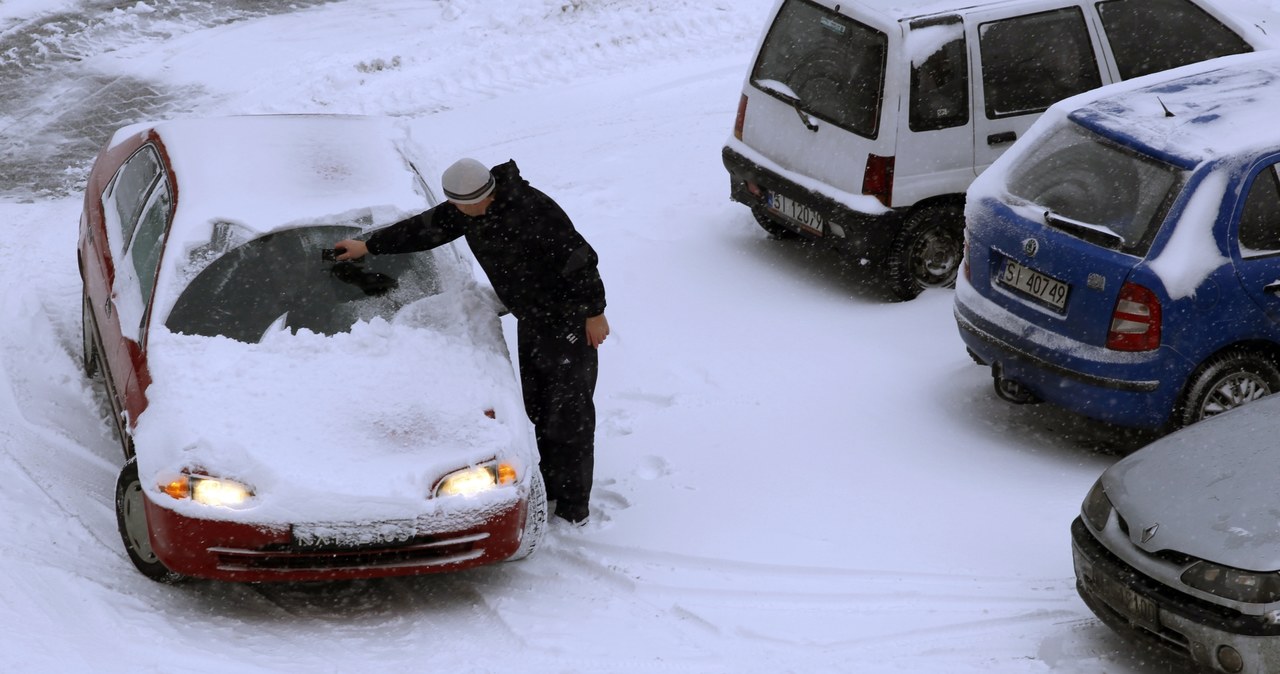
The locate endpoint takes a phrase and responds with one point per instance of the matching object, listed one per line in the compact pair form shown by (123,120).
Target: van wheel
(767,222)
(1227,381)
(926,252)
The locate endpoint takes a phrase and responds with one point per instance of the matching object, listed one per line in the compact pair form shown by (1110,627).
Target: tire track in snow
(56,113)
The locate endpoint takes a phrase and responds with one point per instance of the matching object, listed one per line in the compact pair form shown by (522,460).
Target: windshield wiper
(1098,234)
(804,116)
(785,93)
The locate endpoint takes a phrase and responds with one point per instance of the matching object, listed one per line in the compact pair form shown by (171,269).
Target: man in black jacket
(545,273)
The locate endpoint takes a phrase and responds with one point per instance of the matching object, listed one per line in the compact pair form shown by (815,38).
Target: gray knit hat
(467,182)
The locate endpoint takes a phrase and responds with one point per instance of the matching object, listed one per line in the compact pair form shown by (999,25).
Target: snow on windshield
(265,173)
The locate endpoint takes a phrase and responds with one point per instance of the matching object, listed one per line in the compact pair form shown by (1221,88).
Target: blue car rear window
(1077,175)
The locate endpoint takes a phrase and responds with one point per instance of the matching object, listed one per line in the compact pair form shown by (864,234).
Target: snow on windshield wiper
(786,93)
(1099,234)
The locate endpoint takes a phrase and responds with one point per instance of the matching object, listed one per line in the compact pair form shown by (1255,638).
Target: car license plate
(798,213)
(1132,605)
(1027,281)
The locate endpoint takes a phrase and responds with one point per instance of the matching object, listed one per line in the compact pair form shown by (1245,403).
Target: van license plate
(1027,281)
(798,213)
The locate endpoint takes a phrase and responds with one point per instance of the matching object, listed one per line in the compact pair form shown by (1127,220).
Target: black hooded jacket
(539,265)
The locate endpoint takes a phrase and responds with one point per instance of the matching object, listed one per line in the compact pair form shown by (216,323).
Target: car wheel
(1226,382)
(131,518)
(89,333)
(771,225)
(535,520)
(926,252)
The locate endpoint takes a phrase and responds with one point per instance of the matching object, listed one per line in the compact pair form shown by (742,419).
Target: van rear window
(829,65)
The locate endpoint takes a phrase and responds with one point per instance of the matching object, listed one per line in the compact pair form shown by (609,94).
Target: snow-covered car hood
(1210,489)
(355,426)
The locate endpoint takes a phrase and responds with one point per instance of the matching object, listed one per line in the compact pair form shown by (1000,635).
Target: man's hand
(597,330)
(351,249)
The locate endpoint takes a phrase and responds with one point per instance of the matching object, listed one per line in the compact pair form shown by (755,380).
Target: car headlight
(476,479)
(206,490)
(1246,586)
(1097,507)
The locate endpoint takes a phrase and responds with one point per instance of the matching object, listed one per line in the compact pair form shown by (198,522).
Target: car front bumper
(1139,390)
(846,228)
(1189,628)
(242,552)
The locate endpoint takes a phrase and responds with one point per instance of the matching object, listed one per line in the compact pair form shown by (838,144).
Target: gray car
(1178,544)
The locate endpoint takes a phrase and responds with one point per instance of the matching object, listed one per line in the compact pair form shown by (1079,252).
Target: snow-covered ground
(792,475)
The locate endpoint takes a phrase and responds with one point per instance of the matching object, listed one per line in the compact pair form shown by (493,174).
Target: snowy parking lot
(792,474)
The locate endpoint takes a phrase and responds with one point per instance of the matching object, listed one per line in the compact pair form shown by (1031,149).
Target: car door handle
(1002,138)
(107,306)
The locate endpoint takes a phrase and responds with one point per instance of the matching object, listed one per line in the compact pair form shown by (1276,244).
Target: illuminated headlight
(210,491)
(1251,587)
(476,479)
(1097,507)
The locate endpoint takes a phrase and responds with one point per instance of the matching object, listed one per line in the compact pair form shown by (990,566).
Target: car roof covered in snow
(265,172)
(257,174)
(1219,108)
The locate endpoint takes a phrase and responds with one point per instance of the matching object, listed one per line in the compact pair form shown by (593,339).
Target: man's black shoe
(576,515)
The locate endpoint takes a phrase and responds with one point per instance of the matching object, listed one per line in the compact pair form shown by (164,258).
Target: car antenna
(1165,108)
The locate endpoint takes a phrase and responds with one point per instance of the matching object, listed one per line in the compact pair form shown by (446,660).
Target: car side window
(1260,221)
(939,74)
(1151,35)
(1030,62)
(149,239)
(128,191)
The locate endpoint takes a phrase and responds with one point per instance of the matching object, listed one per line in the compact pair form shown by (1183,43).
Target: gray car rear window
(833,65)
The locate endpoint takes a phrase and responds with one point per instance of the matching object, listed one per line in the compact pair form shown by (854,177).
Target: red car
(285,416)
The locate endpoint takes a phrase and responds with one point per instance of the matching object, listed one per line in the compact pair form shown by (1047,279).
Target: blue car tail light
(1135,323)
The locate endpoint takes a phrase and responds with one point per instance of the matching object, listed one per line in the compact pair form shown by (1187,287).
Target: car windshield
(828,64)
(281,281)
(1077,176)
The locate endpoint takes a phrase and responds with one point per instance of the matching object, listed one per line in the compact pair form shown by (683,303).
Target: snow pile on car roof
(1187,116)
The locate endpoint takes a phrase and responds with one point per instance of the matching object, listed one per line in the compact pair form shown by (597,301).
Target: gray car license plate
(793,211)
(1132,605)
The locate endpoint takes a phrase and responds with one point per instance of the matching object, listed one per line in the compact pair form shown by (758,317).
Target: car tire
(131,519)
(89,333)
(535,519)
(771,225)
(1227,381)
(927,251)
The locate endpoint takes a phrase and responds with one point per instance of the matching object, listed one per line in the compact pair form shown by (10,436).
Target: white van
(863,123)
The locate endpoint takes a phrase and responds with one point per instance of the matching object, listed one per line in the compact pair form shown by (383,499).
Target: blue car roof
(1224,107)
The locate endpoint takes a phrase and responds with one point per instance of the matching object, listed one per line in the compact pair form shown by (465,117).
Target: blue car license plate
(1030,283)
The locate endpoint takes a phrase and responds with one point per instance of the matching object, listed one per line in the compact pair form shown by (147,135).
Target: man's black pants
(558,374)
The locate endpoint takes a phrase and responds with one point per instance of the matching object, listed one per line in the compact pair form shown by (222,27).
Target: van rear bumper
(856,231)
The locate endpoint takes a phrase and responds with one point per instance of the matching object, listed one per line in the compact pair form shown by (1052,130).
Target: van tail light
(878,178)
(741,119)
(1135,323)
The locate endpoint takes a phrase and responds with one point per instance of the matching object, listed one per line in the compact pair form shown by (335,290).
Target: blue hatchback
(1123,259)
